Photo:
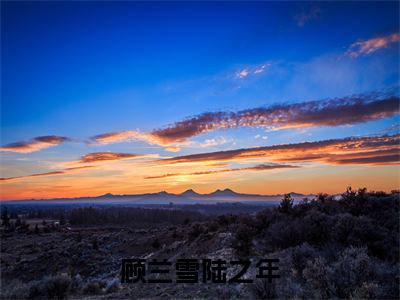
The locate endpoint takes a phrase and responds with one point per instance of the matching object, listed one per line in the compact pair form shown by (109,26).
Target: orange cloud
(106,156)
(331,112)
(262,167)
(369,46)
(36,144)
(131,135)
(362,150)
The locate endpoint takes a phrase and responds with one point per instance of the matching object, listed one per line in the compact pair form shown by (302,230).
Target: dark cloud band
(354,150)
(332,112)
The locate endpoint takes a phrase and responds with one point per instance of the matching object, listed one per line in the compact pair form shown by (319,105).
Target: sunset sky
(261,97)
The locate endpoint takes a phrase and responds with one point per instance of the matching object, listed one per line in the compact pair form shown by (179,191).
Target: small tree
(95,244)
(156,244)
(18,223)
(286,204)
(5,218)
(242,242)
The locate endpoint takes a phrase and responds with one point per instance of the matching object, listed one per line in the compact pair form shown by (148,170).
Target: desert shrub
(368,290)
(262,289)
(300,255)
(242,241)
(77,282)
(131,215)
(156,244)
(352,275)
(362,231)
(225,292)
(226,220)
(314,228)
(281,235)
(14,290)
(286,204)
(263,219)
(112,285)
(317,276)
(53,287)
(213,227)
(195,230)
(175,234)
(95,244)
(94,287)
(351,270)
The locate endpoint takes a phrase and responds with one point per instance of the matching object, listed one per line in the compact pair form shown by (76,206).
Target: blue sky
(80,69)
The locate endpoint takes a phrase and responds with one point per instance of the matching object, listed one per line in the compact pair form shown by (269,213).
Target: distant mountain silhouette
(224,193)
(190,193)
(106,195)
(187,197)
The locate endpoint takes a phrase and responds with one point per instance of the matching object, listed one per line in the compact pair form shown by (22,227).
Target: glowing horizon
(177,96)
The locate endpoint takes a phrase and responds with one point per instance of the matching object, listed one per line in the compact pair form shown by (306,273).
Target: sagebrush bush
(195,231)
(14,290)
(113,285)
(262,289)
(94,287)
(242,241)
(51,287)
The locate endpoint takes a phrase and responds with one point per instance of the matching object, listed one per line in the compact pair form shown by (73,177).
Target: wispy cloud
(261,167)
(36,144)
(132,135)
(258,136)
(252,70)
(53,173)
(91,160)
(365,47)
(172,146)
(354,150)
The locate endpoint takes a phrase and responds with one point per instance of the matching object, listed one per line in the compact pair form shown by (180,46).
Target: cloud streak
(131,135)
(380,150)
(36,144)
(63,172)
(332,112)
(107,156)
(366,47)
(261,167)
(252,70)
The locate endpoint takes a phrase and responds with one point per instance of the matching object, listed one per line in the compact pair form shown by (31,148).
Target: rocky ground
(91,258)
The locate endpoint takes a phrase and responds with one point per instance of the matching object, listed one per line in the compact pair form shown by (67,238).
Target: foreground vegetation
(346,248)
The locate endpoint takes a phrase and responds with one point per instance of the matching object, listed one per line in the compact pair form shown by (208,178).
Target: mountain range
(187,197)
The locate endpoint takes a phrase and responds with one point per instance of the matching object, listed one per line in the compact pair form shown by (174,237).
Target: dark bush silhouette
(56,287)
(346,248)
(286,204)
(126,216)
(243,240)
